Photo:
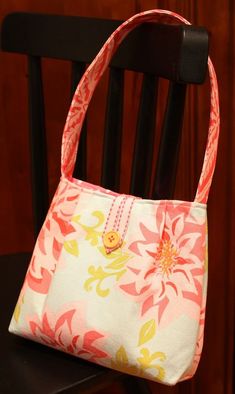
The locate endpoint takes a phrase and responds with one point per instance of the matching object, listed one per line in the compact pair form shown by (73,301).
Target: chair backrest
(174,52)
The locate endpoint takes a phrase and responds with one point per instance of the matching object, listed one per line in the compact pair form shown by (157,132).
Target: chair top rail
(175,52)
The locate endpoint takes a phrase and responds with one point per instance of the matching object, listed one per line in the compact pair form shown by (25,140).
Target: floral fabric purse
(118,280)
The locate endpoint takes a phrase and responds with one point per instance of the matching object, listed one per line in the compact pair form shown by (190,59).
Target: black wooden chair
(177,53)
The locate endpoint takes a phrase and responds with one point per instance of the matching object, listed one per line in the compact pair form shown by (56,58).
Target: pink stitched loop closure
(92,76)
(117,222)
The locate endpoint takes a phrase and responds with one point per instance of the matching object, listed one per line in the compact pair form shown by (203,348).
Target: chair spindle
(166,169)
(143,151)
(113,130)
(80,169)
(40,199)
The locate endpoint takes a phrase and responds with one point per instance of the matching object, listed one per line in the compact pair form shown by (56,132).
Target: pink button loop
(117,222)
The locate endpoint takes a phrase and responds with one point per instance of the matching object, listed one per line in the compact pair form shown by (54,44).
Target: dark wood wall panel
(214,375)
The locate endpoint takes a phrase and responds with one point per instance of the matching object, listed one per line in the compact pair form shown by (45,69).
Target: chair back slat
(38,146)
(110,177)
(143,150)
(80,169)
(165,174)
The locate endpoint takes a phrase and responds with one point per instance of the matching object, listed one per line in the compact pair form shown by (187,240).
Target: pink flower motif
(167,273)
(51,238)
(65,332)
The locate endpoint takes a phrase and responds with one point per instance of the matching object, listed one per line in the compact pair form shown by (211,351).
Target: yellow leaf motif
(114,269)
(121,356)
(92,234)
(147,332)
(98,275)
(146,362)
(118,256)
(121,362)
(141,365)
(17,310)
(76,219)
(71,247)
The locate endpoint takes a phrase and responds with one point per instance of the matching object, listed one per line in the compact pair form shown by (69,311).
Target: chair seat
(27,367)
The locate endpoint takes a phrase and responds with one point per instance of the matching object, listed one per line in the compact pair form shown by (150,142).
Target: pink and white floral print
(171,280)
(51,238)
(65,332)
(149,318)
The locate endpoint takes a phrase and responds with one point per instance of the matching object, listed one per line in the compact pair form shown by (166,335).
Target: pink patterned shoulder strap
(92,76)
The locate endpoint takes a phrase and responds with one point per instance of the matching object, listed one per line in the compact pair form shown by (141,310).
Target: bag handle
(91,77)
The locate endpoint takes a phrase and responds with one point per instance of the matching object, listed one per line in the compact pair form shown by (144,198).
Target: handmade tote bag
(115,279)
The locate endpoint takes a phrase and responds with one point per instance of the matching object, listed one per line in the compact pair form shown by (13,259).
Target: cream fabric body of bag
(118,280)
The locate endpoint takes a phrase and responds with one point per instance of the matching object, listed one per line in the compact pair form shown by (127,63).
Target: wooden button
(111,240)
